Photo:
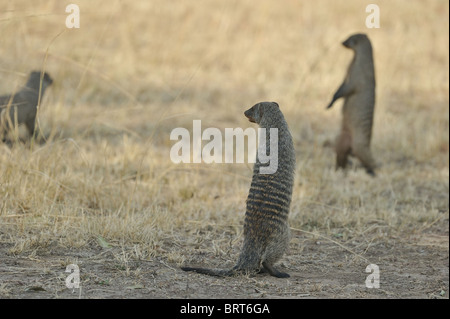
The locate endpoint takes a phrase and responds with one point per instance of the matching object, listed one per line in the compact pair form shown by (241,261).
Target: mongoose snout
(256,112)
(47,78)
(249,115)
(346,43)
(353,41)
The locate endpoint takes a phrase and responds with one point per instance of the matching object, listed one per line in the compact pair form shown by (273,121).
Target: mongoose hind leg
(274,272)
(343,149)
(30,124)
(362,152)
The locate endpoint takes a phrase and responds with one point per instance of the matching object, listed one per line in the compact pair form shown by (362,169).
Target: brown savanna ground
(102,192)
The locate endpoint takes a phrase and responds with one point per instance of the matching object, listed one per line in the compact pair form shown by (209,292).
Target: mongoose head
(355,40)
(257,111)
(34,80)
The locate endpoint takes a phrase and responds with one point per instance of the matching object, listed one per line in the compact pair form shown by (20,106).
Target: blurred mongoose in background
(358,91)
(266,227)
(21,107)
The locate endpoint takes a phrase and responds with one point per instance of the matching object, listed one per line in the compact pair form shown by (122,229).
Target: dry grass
(134,71)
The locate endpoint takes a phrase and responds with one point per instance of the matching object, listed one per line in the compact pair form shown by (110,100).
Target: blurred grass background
(134,71)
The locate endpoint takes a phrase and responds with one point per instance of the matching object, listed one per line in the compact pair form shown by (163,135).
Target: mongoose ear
(276,104)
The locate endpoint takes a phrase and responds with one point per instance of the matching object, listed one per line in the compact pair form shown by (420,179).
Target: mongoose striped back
(266,228)
(266,219)
(358,91)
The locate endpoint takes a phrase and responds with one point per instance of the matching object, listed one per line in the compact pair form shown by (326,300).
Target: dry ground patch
(102,192)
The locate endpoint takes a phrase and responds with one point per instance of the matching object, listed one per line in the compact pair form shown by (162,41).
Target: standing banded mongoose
(358,91)
(21,108)
(266,228)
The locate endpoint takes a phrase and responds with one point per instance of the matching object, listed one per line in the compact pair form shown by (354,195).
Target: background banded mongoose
(266,228)
(358,91)
(22,106)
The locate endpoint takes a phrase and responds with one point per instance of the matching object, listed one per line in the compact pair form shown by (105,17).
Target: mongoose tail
(235,271)
(211,272)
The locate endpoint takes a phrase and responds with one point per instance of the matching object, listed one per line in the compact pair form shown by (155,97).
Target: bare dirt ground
(414,267)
